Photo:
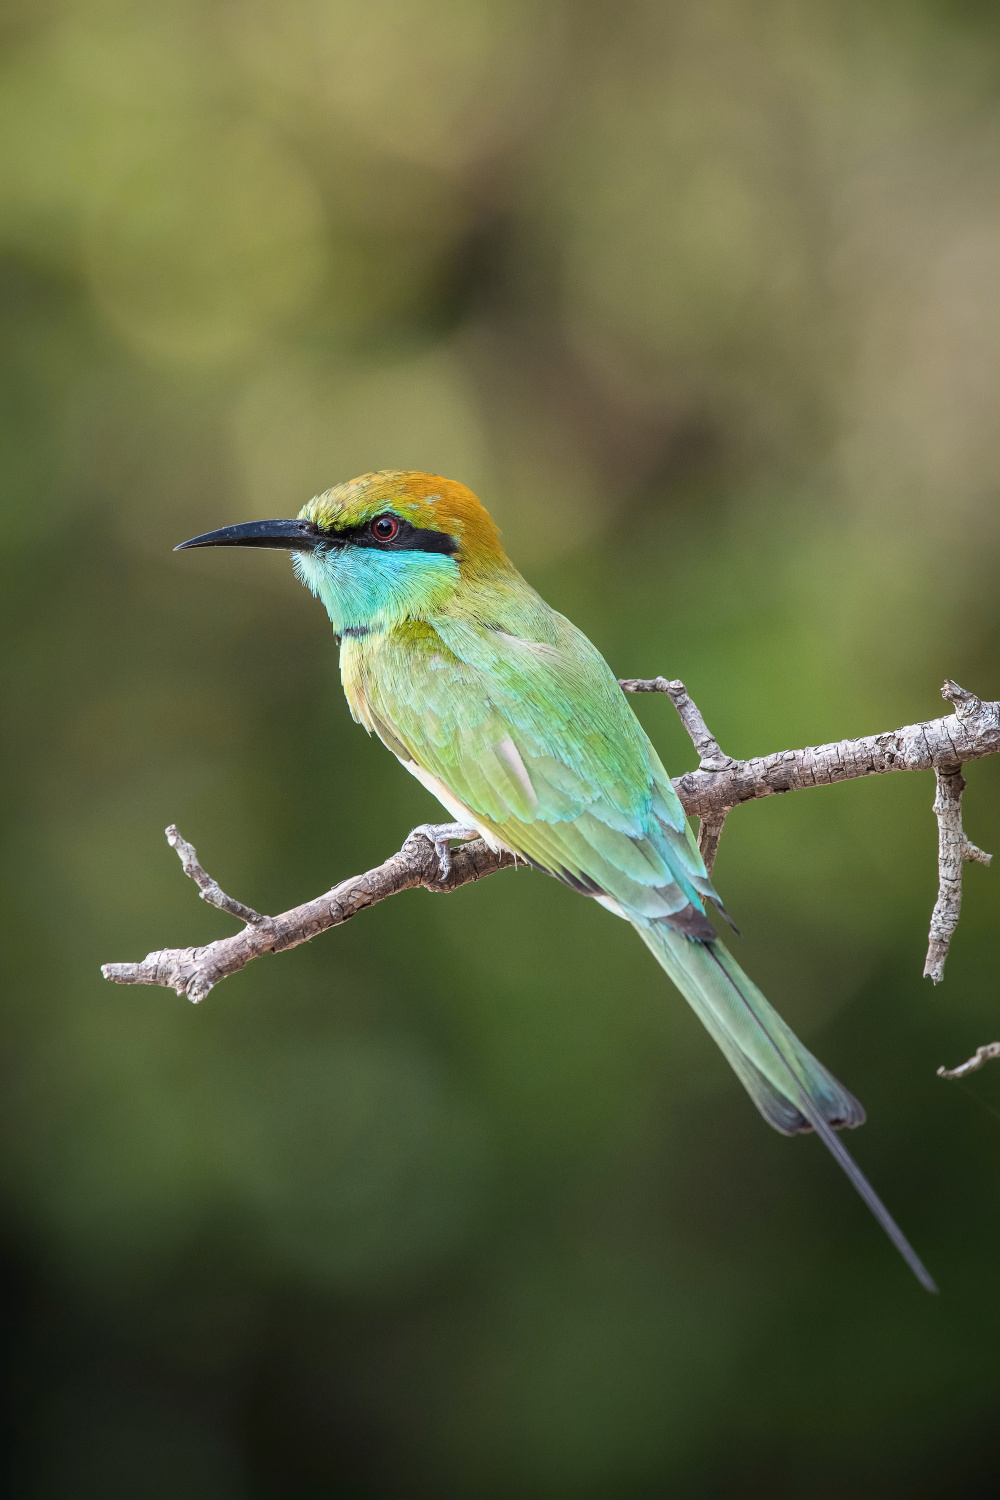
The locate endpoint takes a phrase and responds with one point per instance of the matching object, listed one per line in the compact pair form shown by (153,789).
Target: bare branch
(709,834)
(194,971)
(710,756)
(951,741)
(980,1056)
(953,848)
(719,784)
(210,889)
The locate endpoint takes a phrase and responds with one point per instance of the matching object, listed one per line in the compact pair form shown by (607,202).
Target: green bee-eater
(515,722)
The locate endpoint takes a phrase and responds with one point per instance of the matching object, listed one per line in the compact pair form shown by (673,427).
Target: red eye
(385,528)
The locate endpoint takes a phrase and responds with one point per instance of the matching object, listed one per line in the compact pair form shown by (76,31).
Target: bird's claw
(440,836)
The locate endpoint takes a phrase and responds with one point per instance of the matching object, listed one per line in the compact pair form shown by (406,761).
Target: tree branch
(981,1056)
(970,733)
(718,785)
(953,848)
(710,756)
(194,971)
(210,889)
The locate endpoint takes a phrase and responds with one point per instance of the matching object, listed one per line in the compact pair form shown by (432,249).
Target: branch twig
(719,784)
(210,889)
(709,834)
(953,848)
(953,845)
(194,971)
(976,1061)
(950,741)
(710,756)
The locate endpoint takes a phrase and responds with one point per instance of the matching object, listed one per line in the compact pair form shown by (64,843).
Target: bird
(514,721)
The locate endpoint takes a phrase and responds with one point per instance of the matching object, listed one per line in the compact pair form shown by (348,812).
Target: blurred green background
(459,1201)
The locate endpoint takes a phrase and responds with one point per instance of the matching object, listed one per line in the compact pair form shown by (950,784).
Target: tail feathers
(746,1008)
(763,1052)
(790,1087)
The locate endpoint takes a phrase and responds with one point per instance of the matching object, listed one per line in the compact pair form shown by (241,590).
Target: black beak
(293,536)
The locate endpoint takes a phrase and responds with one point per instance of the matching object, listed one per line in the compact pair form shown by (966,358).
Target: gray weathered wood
(718,785)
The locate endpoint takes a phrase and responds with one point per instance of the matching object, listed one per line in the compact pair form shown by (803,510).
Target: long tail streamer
(790,1087)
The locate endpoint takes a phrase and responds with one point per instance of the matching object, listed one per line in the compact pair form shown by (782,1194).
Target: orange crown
(425,500)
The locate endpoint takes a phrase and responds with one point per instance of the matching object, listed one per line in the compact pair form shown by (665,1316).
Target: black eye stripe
(408,538)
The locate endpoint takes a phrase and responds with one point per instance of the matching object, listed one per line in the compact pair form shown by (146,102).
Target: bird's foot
(440,836)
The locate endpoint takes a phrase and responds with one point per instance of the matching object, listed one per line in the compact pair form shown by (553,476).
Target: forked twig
(954,847)
(719,784)
(195,971)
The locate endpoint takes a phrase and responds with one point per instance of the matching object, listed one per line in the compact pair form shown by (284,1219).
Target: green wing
(536,738)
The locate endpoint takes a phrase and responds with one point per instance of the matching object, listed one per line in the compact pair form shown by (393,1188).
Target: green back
(518,714)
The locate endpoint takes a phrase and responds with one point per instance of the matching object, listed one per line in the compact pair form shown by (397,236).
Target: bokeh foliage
(703,299)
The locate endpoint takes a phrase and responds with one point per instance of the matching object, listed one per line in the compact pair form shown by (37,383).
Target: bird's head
(382,548)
